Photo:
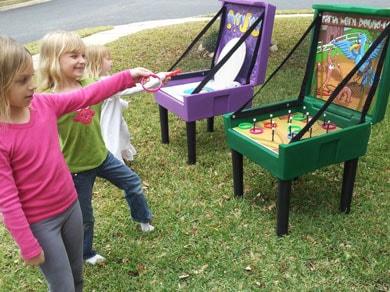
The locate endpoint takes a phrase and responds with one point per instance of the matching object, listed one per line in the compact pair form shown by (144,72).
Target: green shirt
(82,144)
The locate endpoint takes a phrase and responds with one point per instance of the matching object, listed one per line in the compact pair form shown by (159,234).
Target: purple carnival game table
(239,64)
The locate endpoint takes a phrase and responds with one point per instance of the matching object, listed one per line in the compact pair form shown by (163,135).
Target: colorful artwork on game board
(277,130)
(343,40)
(236,21)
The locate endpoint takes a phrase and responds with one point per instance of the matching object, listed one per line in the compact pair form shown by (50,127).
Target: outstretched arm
(153,82)
(63,103)
(163,77)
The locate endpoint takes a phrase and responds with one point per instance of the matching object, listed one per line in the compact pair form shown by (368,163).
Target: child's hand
(165,77)
(138,73)
(37,260)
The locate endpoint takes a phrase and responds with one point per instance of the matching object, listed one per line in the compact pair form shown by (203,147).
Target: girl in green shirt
(61,68)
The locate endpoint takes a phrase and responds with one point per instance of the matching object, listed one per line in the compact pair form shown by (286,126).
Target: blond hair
(53,46)
(14,58)
(95,56)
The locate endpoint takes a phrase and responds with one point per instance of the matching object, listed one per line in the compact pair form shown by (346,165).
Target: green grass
(33,47)
(4,3)
(206,240)
(284,11)
(293,11)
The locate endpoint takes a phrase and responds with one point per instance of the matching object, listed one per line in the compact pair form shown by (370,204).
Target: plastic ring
(145,79)
(268,125)
(245,126)
(299,117)
(330,126)
(295,128)
(256,131)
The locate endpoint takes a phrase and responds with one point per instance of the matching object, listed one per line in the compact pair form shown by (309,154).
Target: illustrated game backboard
(343,40)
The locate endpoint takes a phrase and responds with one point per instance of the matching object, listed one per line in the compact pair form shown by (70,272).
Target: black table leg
(349,176)
(238,172)
(191,141)
(164,125)
(283,206)
(210,124)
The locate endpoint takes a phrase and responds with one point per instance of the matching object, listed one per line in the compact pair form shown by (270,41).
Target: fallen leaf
(270,207)
(133,273)
(202,269)
(140,268)
(183,276)
(311,266)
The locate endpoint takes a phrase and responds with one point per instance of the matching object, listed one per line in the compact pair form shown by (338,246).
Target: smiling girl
(38,200)
(61,67)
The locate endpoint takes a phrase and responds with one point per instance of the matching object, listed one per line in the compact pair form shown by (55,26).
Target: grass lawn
(294,11)
(4,3)
(206,240)
(33,47)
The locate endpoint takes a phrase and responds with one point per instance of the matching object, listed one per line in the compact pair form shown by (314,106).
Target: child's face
(72,65)
(22,88)
(106,66)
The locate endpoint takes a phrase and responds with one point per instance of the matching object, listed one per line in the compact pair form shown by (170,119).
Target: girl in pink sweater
(38,200)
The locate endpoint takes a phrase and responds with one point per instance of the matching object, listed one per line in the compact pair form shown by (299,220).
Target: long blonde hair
(53,46)
(95,56)
(14,58)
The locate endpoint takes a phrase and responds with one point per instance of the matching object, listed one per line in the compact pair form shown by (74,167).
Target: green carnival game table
(344,92)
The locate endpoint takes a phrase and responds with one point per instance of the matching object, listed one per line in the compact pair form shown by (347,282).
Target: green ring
(245,126)
(295,127)
(299,117)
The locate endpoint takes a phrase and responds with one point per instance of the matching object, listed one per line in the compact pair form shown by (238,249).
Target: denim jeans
(121,176)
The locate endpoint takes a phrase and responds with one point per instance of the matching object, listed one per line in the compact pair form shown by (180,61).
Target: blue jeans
(121,176)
